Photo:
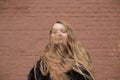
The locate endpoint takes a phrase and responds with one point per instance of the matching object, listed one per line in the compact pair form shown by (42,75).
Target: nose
(59,33)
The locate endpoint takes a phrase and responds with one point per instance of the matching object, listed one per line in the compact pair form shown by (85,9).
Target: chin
(60,43)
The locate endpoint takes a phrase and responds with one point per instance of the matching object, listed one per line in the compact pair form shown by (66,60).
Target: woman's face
(59,34)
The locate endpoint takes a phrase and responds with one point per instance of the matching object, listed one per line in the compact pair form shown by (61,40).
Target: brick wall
(24,26)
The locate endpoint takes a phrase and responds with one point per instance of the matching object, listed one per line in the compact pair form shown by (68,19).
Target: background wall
(24,26)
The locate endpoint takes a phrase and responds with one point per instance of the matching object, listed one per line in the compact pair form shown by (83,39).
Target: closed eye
(64,31)
(54,31)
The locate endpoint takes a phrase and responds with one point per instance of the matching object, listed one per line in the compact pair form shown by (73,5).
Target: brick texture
(24,26)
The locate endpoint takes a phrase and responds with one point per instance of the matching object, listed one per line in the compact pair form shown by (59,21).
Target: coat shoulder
(31,75)
(35,72)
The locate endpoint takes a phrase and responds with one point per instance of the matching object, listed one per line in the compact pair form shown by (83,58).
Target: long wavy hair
(59,59)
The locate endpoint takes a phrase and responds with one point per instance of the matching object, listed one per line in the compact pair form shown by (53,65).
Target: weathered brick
(25,24)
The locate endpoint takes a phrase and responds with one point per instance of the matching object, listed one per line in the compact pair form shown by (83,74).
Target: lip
(59,38)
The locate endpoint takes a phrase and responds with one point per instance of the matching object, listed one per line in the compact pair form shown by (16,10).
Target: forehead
(58,26)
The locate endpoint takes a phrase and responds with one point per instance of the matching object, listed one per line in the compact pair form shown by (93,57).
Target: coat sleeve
(77,76)
(31,75)
(87,74)
(35,73)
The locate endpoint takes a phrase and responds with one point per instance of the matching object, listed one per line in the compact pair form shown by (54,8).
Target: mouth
(59,38)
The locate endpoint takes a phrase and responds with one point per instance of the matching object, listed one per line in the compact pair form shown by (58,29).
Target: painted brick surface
(24,26)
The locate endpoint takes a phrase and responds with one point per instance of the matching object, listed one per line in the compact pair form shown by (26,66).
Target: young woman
(64,58)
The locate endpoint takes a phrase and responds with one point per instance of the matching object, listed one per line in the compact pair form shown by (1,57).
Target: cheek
(53,37)
(65,36)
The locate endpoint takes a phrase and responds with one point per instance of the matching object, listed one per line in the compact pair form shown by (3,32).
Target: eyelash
(64,31)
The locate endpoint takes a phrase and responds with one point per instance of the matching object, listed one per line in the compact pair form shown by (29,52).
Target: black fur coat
(72,74)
